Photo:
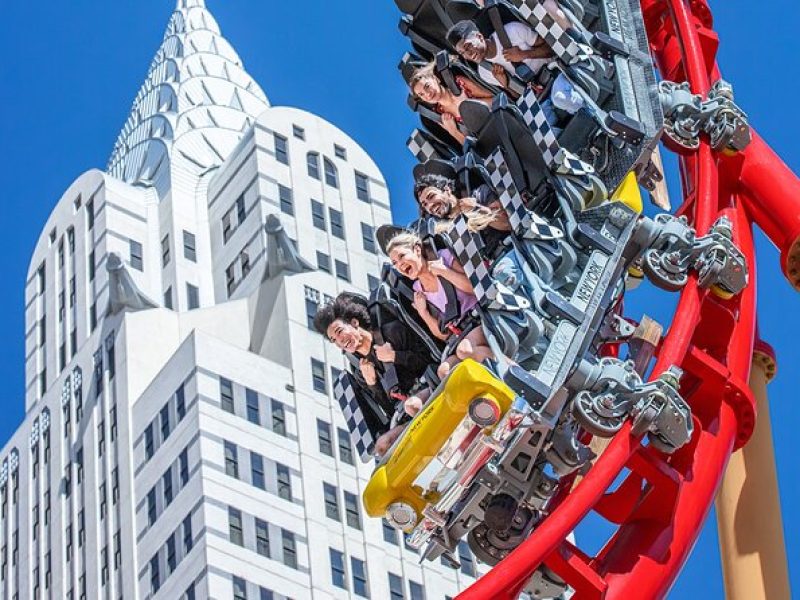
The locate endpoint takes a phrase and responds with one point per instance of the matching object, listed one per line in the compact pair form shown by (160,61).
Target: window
(416,591)
(362,187)
(284,482)
(235,526)
(180,402)
(262,538)
(298,132)
(241,210)
(148,442)
(168,298)
(278,418)
(318,214)
(345,447)
(192,296)
(358,568)
(351,510)
(155,575)
(151,506)
(253,413)
(188,538)
(342,270)
(117,550)
(183,467)
(324,436)
(257,470)
(289,549)
(231,460)
(318,376)
(338,575)
(171,557)
(265,594)
(281,149)
(311,312)
(165,251)
(226,394)
(189,246)
(368,238)
(286,199)
(312,164)
(396,587)
(167,481)
(339,152)
(466,560)
(331,497)
(389,533)
(227,227)
(331,173)
(92,266)
(165,425)
(337,224)
(323,262)
(239,588)
(90,214)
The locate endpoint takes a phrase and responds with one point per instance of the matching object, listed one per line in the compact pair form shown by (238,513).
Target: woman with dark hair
(391,358)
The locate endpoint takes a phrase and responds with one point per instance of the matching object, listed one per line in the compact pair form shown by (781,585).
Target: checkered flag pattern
(524,223)
(491,294)
(569,164)
(535,119)
(564,47)
(559,159)
(360,435)
(420,147)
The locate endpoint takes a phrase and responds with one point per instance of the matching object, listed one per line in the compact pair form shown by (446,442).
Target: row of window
(280,483)
(174,479)
(258,537)
(136,254)
(269,413)
(360,582)
(167,419)
(330,495)
(240,591)
(318,218)
(325,439)
(164,562)
(192,297)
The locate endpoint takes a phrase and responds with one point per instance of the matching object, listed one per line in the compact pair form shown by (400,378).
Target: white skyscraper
(180,440)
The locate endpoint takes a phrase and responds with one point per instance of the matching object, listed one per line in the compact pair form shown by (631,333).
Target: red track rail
(662,504)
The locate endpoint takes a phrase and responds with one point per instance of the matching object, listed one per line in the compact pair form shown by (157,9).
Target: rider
(390,358)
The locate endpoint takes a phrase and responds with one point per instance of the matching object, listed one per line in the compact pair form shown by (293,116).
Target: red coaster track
(660,507)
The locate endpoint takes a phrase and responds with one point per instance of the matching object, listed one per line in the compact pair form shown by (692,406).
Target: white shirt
(521,36)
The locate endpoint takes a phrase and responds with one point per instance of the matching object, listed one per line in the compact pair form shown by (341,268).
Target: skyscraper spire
(193,107)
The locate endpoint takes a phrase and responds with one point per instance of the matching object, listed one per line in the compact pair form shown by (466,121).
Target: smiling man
(391,358)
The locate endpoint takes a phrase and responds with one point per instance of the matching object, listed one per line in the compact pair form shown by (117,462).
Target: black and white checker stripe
(564,47)
(558,159)
(420,147)
(360,435)
(491,294)
(524,223)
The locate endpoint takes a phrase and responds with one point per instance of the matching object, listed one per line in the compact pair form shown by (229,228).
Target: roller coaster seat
(393,490)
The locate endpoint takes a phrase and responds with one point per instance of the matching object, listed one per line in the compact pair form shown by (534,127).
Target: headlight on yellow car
(401,516)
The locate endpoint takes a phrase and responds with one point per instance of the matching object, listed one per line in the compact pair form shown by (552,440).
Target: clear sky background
(70,71)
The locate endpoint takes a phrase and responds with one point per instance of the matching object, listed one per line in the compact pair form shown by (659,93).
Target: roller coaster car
(448,433)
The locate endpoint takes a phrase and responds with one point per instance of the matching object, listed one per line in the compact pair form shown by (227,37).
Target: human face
(407,260)
(472,48)
(348,337)
(436,202)
(428,89)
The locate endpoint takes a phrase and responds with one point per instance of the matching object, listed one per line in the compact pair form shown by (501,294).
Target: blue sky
(71,69)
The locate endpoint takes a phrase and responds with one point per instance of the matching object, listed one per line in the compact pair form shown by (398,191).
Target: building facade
(180,438)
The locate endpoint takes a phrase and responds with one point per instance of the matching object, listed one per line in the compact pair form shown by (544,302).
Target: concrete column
(748,505)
